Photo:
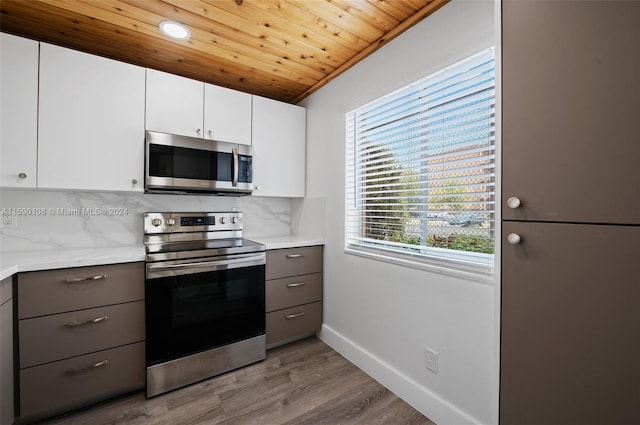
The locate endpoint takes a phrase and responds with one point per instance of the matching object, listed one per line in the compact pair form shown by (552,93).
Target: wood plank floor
(306,382)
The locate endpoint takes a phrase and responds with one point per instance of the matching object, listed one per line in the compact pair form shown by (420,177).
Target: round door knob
(134,181)
(156,222)
(223,220)
(171,221)
(513,238)
(198,130)
(209,132)
(22,175)
(513,202)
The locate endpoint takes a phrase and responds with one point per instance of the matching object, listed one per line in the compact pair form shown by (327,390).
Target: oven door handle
(163,270)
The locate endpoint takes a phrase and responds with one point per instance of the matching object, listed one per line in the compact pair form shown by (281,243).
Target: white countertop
(279,242)
(12,262)
(25,261)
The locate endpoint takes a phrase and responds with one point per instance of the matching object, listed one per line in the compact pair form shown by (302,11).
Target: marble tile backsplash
(70,219)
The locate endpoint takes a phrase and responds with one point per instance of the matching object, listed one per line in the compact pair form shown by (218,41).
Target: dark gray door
(570,346)
(571,110)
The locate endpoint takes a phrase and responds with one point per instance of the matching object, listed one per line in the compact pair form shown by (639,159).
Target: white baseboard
(420,398)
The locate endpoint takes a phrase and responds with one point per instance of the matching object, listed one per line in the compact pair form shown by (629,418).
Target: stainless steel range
(205,311)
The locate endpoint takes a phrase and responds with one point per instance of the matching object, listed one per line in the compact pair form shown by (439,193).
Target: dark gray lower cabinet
(80,337)
(6,351)
(293,294)
(570,346)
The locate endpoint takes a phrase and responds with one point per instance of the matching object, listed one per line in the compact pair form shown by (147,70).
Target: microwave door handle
(235,167)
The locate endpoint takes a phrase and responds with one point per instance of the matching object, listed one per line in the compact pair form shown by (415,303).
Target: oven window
(185,163)
(191,313)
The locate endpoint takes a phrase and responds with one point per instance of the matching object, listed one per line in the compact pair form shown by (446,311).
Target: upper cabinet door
(174,104)
(91,122)
(227,115)
(571,105)
(19,111)
(279,143)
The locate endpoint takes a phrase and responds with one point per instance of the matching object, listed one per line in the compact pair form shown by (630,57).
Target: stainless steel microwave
(181,164)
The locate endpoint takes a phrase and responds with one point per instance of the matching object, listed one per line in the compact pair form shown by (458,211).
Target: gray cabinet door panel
(571,104)
(570,351)
(50,292)
(59,336)
(59,386)
(292,323)
(291,291)
(6,352)
(293,262)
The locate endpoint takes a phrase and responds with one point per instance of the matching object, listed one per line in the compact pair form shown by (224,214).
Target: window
(420,171)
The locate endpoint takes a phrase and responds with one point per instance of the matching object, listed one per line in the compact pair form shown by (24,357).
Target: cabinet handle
(74,371)
(86,322)
(209,133)
(86,279)
(294,316)
(295,255)
(294,285)
(134,181)
(198,131)
(22,175)
(513,202)
(514,238)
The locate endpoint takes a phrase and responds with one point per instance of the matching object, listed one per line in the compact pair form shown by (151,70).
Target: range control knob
(223,220)
(170,221)
(234,220)
(156,222)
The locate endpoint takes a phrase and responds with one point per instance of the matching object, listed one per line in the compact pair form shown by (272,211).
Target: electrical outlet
(9,221)
(431,360)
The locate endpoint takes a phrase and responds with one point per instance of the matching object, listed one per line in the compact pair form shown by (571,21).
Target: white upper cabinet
(179,105)
(279,142)
(91,122)
(19,111)
(227,115)
(174,104)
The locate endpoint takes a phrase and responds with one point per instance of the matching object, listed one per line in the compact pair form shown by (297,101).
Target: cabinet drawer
(285,325)
(71,383)
(60,336)
(293,262)
(291,291)
(59,291)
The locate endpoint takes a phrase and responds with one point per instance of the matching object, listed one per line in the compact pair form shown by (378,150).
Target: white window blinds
(420,169)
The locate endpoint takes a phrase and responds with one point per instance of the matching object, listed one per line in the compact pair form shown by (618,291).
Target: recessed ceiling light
(175,30)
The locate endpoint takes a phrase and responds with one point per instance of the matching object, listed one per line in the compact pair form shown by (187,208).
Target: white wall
(379,315)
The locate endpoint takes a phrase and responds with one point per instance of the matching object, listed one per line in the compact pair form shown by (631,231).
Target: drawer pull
(87,322)
(75,371)
(295,255)
(86,279)
(294,316)
(294,285)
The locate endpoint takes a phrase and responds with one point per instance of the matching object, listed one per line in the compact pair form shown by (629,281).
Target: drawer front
(59,291)
(292,291)
(60,336)
(293,322)
(71,383)
(293,262)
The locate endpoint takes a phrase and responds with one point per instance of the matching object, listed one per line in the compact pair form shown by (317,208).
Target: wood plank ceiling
(282,49)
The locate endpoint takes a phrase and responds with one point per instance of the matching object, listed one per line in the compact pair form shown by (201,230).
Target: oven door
(196,308)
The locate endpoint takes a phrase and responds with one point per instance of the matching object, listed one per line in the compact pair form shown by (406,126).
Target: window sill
(475,273)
